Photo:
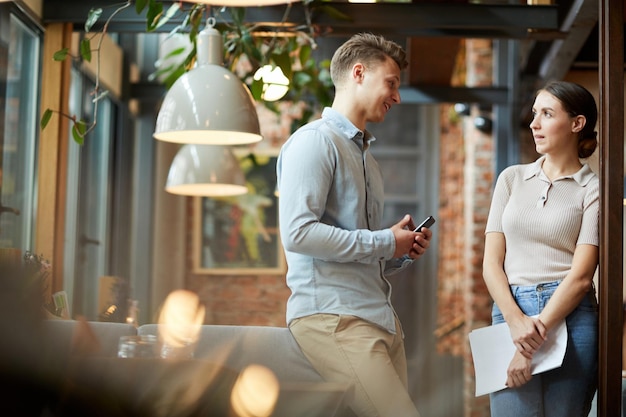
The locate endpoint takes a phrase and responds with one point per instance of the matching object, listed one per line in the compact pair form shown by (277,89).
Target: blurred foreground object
(255,392)
(180,321)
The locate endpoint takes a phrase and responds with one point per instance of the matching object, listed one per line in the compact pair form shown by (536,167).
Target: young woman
(541,252)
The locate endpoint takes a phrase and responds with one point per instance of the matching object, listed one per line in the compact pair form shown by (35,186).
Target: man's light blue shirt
(330,210)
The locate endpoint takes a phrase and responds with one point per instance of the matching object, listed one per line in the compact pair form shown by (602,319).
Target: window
(88,202)
(19,72)
(407,151)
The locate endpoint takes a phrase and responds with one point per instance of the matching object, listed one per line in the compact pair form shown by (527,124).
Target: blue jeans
(566,391)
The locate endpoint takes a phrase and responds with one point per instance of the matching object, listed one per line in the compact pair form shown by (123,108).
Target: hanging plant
(285,45)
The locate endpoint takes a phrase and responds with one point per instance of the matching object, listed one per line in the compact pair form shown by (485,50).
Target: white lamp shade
(205,171)
(208,104)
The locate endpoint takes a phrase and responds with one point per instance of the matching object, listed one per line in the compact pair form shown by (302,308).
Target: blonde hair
(366,48)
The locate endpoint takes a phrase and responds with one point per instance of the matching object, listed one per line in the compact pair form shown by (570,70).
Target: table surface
(189,387)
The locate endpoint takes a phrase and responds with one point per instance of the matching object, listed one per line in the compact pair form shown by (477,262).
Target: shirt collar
(347,128)
(582,176)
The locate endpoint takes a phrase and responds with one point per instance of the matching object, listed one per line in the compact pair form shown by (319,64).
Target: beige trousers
(349,349)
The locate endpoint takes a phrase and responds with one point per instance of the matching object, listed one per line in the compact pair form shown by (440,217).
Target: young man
(330,210)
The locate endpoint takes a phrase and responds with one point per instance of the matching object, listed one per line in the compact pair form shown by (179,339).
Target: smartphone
(430,220)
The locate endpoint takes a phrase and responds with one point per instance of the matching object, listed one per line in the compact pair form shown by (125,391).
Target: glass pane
(19,137)
(401,174)
(399,129)
(88,202)
(71,207)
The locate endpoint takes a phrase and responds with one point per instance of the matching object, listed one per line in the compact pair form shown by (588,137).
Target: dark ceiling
(551,38)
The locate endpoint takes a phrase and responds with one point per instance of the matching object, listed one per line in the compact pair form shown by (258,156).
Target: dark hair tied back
(590,135)
(587,144)
(577,100)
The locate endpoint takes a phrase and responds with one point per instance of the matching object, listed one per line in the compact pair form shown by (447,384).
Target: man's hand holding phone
(422,241)
(429,221)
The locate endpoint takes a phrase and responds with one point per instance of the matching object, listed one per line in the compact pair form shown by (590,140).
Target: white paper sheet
(492,351)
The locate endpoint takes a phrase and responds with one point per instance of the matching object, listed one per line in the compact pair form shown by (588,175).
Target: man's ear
(358,70)
(579,123)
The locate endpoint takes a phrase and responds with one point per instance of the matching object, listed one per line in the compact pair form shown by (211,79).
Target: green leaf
(238,14)
(171,12)
(305,53)
(333,13)
(140,5)
(45,119)
(78,132)
(248,46)
(191,57)
(246,37)
(273,107)
(155,10)
(324,77)
(161,71)
(85,49)
(77,137)
(175,52)
(92,18)
(256,88)
(301,78)
(61,54)
(283,60)
(196,19)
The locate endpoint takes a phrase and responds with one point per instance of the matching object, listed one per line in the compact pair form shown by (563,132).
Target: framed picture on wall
(239,235)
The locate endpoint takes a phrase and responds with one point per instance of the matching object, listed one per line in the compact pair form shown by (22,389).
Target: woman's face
(553,129)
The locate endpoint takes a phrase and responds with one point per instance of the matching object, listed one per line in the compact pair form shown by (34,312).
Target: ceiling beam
(389,19)
(429,94)
(413,94)
(557,59)
(578,24)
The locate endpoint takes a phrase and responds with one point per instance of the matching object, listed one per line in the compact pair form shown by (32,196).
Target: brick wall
(258,300)
(451,264)
(479,180)
(466,177)
(479,170)
(251,300)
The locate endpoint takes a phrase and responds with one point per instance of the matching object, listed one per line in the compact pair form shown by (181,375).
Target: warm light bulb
(275,84)
(255,392)
(180,322)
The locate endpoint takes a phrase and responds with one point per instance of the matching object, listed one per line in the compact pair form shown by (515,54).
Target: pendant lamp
(208,104)
(205,171)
